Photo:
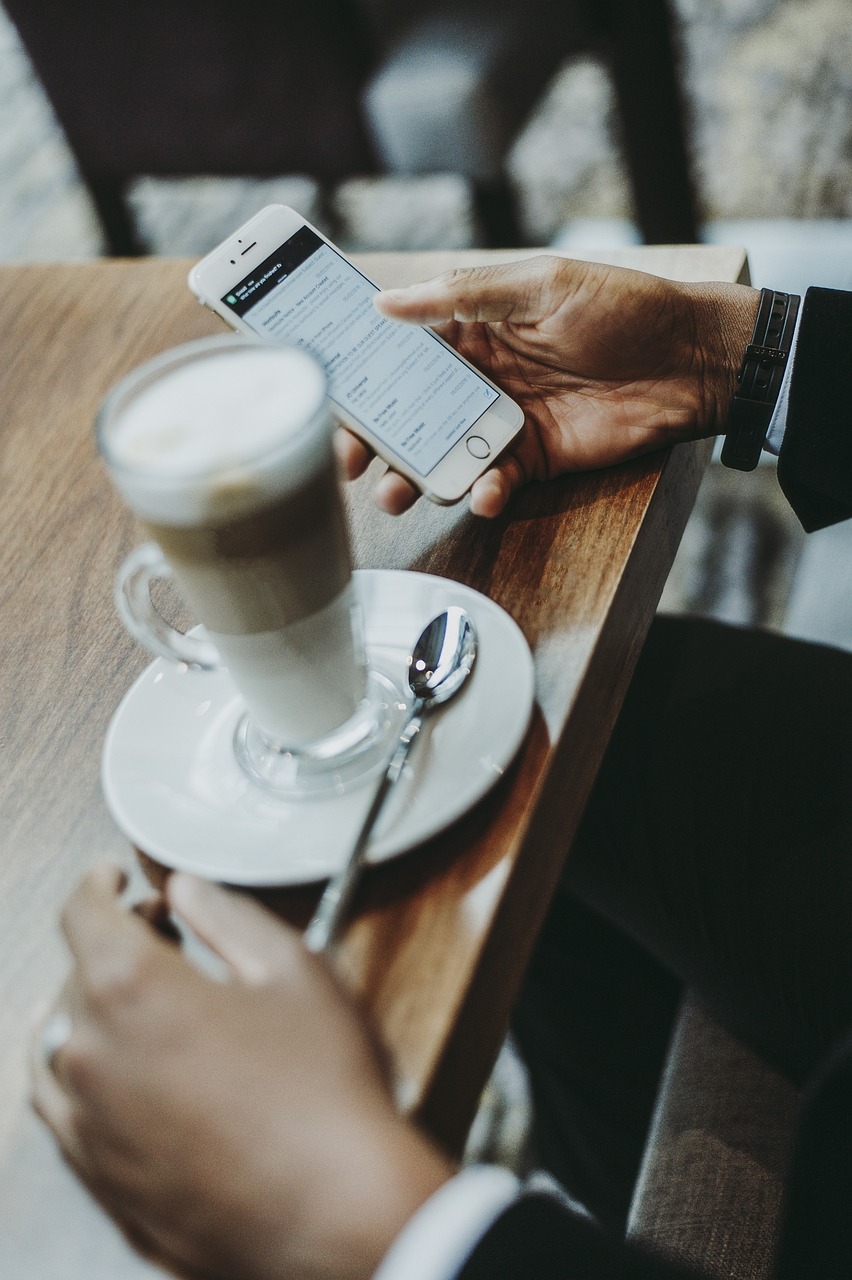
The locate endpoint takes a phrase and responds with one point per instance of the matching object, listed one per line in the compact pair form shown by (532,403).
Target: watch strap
(759,379)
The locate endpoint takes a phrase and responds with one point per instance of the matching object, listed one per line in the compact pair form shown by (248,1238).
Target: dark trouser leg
(592,1025)
(718,838)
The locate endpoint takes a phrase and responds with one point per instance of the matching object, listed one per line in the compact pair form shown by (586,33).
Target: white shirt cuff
(778,421)
(438,1239)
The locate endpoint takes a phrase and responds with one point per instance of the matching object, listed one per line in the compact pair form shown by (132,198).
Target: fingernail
(401,295)
(487,491)
(108,875)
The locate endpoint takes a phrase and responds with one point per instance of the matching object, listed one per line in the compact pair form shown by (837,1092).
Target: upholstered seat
(710,1188)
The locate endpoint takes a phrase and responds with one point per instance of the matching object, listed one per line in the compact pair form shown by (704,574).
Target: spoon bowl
(443,657)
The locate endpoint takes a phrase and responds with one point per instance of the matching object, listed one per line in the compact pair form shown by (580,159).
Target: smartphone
(420,405)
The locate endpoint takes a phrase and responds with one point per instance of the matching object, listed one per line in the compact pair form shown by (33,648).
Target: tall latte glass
(223,450)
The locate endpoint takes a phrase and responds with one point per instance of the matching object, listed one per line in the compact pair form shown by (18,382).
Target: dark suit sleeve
(537,1238)
(815,463)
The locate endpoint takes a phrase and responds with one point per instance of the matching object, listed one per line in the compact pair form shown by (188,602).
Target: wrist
(398,1170)
(723,323)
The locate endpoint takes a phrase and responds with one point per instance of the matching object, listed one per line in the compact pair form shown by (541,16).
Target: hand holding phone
(433,417)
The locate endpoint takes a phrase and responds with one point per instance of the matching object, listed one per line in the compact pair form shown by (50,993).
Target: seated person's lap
(719,838)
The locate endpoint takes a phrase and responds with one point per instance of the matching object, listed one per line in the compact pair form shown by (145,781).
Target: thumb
(490,494)
(509,291)
(251,940)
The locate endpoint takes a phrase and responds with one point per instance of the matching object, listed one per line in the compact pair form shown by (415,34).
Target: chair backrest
(203,86)
(458,80)
(264,88)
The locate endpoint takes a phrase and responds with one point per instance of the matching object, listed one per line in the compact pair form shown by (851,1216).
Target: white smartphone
(421,406)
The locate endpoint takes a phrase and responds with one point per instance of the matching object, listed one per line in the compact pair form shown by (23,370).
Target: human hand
(232,1129)
(606,363)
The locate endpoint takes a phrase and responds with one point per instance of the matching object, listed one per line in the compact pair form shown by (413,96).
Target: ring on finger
(55,1034)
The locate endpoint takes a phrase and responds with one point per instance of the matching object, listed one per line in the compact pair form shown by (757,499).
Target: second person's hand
(241,1128)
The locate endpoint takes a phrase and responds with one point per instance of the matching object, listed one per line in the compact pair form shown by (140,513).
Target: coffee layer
(265,570)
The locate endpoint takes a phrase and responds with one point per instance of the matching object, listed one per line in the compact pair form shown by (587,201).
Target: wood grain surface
(441,938)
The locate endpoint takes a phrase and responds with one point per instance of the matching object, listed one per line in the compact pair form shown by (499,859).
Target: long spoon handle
(340,890)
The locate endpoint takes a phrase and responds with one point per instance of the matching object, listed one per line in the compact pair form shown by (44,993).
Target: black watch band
(759,379)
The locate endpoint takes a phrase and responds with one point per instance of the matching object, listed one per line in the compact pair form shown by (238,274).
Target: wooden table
(443,935)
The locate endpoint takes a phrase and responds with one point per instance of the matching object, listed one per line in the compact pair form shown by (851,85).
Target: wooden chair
(184,87)
(264,88)
(457,79)
(711,1187)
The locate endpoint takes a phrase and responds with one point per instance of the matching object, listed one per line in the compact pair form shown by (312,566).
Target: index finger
(101,934)
(506,291)
(352,453)
(393,494)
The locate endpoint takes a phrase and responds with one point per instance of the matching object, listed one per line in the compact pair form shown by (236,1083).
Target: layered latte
(228,461)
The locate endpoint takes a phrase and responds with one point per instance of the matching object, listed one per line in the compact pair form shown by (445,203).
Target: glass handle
(141,618)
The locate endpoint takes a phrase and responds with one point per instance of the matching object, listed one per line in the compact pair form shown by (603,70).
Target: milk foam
(220,435)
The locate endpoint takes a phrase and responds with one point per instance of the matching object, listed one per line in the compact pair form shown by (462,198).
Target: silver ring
(55,1034)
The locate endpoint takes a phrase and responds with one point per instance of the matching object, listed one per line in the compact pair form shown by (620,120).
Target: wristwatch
(759,379)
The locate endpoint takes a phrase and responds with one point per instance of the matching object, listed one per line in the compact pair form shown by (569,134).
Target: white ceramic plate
(174,787)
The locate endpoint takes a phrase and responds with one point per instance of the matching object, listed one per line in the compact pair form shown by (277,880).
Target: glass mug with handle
(223,449)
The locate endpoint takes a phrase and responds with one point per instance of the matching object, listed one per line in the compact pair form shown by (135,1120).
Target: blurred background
(401,125)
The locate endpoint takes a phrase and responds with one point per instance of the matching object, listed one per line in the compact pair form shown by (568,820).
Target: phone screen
(396,379)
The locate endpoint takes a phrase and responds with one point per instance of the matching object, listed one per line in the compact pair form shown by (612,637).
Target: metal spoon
(437,669)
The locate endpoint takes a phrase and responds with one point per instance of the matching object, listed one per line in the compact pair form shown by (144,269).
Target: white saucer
(173,785)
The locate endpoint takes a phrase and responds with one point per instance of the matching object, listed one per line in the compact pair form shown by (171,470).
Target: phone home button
(478,447)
